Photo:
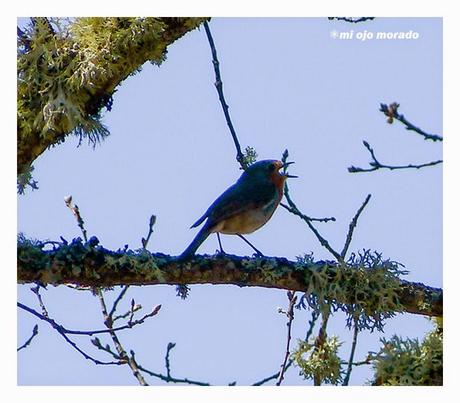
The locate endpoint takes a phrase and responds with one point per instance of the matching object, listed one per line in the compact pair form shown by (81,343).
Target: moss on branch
(67,74)
(369,291)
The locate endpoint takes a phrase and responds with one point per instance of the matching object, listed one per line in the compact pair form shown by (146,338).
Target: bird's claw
(220,252)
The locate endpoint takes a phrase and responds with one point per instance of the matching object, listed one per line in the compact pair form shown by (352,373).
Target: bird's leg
(258,252)
(220,244)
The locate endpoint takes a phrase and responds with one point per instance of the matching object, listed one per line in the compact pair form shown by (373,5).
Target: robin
(245,206)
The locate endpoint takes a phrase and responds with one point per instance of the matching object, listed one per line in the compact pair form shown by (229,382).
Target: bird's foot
(220,252)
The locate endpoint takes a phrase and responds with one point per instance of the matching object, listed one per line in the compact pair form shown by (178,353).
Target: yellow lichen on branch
(368,293)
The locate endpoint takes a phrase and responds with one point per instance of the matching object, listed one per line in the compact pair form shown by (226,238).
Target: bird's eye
(271,167)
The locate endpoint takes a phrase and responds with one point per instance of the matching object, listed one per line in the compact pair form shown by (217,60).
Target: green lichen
(249,156)
(321,362)
(408,362)
(366,288)
(67,73)
(271,270)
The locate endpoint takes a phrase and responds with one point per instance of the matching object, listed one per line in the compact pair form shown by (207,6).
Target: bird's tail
(195,244)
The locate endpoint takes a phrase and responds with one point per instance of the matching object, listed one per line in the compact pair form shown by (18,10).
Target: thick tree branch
(90,265)
(64,80)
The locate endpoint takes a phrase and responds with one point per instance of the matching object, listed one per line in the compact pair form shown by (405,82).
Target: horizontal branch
(91,265)
(376,164)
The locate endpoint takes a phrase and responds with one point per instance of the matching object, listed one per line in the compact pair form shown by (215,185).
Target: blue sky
(290,85)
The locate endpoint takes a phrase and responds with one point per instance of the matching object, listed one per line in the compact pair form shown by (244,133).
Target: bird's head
(269,169)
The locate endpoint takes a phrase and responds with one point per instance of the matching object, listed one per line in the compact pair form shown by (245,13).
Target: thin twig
(64,330)
(131,311)
(323,219)
(292,208)
(369,359)
(108,321)
(271,377)
(353,226)
(219,87)
(375,164)
(311,322)
(314,317)
(136,308)
(118,299)
(167,362)
(152,222)
(169,378)
(61,331)
(97,343)
(290,315)
(391,111)
(87,356)
(76,212)
(36,291)
(29,340)
(352,354)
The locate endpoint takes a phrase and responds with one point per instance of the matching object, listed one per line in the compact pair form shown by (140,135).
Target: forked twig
(290,315)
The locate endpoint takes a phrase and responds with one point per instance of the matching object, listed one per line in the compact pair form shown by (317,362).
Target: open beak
(285,165)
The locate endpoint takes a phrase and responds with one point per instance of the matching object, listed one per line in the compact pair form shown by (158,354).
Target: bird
(245,206)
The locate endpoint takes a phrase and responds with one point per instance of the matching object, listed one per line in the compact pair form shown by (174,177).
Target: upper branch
(391,111)
(88,265)
(65,79)
(220,91)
